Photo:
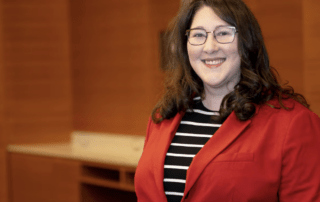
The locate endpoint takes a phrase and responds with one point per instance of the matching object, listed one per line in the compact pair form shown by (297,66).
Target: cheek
(193,53)
(189,49)
(233,53)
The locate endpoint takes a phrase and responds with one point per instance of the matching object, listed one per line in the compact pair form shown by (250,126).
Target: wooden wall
(311,47)
(111,65)
(3,168)
(35,75)
(37,71)
(115,57)
(94,65)
(281,24)
(115,62)
(290,29)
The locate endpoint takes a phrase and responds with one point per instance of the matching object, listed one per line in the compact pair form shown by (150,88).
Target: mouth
(214,62)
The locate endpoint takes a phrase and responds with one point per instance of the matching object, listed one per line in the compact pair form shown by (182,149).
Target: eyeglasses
(222,34)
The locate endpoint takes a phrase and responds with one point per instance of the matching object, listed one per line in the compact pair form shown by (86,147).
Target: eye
(224,33)
(197,33)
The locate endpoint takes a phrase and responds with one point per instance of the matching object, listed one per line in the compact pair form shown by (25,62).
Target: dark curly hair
(258,81)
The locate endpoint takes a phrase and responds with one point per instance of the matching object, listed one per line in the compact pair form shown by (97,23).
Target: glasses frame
(213,32)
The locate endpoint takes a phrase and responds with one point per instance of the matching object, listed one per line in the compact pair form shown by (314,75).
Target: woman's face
(218,65)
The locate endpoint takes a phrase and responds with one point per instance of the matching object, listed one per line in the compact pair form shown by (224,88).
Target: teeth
(214,62)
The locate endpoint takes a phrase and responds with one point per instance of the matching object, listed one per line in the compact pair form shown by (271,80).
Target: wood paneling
(112,65)
(2,88)
(160,16)
(115,57)
(115,74)
(38,179)
(91,193)
(281,24)
(37,71)
(3,137)
(290,29)
(35,75)
(311,22)
(3,175)
(115,62)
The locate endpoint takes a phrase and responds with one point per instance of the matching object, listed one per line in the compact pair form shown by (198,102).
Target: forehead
(206,18)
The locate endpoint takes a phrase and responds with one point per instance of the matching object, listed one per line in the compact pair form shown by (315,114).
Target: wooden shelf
(65,180)
(115,177)
(94,193)
(107,184)
(100,173)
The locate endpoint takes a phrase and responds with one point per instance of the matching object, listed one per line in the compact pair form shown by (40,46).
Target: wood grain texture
(282,28)
(161,15)
(3,137)
(311,27)
(2,88)
(35,76)
(38,179)
(37,71)
(111,63)
(116,76)
(115,61)
(110,176)
(3,175)
(91,193)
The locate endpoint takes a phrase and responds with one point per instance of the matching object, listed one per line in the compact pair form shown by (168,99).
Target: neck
(213,98)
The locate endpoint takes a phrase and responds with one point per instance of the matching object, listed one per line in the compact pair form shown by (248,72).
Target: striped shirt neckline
(194,131)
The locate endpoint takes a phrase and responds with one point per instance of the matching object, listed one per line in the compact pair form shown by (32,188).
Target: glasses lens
(197,36)
(224,34)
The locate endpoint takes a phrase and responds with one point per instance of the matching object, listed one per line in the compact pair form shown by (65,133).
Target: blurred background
(94,65)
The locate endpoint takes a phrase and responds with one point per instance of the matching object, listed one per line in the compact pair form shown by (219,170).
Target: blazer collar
(165,134)
(229,131)
(223,137)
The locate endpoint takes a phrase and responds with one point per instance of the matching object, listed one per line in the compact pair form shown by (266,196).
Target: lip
(213,65)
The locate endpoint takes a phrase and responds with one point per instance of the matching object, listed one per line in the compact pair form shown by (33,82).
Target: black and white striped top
(195,129)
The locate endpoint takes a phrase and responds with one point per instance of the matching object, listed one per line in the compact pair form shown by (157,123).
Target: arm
(148,131)
(300,180)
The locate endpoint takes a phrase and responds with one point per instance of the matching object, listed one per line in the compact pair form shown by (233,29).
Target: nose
(211,44)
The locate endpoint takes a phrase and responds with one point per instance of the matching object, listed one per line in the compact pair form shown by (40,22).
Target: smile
(214,62)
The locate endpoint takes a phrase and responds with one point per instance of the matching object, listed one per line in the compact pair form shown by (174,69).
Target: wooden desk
(53,173)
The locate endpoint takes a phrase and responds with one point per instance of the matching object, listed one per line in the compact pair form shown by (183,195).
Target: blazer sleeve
(300,180)
(147,132)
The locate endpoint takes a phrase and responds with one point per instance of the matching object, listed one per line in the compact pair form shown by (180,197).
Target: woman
(225,130)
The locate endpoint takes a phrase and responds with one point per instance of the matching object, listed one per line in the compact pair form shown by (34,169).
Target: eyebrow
(201,27)
(198,27)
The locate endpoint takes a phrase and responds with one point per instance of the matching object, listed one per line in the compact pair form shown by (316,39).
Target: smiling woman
(225,129)
(258,83)
(216,63)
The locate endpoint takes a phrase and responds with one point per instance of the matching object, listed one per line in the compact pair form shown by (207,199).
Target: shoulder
(166,124)
(289,107)
(294,112)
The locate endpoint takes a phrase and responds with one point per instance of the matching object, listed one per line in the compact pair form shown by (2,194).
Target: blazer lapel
(165,135)
(229,131)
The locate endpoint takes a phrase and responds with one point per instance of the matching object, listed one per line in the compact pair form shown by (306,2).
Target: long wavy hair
(258,81)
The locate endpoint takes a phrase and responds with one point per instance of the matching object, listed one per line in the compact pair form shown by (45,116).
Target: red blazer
(274,156)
